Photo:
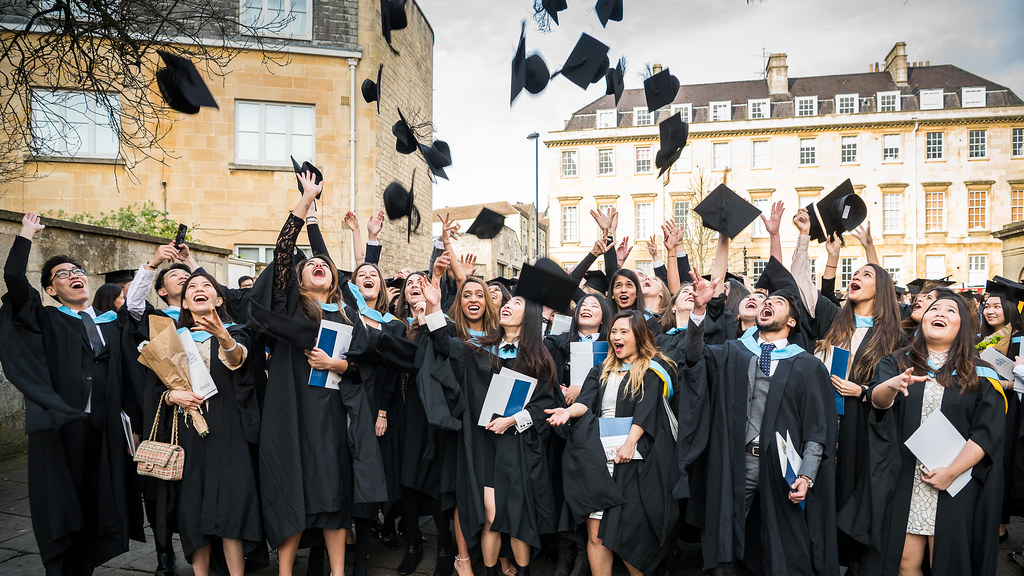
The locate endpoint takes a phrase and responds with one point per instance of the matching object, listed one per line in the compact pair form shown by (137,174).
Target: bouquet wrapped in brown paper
(166,357)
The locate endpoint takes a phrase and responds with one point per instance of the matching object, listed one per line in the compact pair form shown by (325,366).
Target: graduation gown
(641,529)
(800,402)
(966,527)
(78,495)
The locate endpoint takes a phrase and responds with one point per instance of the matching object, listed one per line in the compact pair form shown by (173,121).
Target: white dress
(925,499)
(608,401)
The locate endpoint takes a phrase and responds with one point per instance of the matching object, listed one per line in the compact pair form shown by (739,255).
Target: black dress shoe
(164,564)
(445,562)
(413,554)
(1004,536)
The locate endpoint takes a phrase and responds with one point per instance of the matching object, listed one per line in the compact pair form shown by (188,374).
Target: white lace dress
(924,499)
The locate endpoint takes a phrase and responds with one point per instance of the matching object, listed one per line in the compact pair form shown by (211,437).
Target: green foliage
(142,219)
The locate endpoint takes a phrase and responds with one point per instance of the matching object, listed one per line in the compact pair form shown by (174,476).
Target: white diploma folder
(560,324)
(936,444)
(508,393)
(1002,365)
(334,338)
(582,357)
(198,375)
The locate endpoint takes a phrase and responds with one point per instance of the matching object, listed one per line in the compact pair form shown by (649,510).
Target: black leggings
(413,502)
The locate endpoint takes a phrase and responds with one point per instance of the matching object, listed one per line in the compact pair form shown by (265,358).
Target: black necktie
(93,332)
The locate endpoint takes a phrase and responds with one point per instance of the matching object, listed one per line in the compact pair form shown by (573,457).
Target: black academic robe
(1013,450)
(641,529)
(966,527)
(78,495)
(524,499)
(800,402)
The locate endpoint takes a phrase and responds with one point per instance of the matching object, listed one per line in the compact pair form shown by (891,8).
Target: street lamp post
(536,194)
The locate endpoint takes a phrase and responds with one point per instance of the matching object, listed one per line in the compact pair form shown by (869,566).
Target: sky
(700,41)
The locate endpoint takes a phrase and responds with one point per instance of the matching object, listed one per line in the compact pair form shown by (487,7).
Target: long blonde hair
(646,351)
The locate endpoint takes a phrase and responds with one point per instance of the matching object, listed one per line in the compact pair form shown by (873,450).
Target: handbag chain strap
(156,420)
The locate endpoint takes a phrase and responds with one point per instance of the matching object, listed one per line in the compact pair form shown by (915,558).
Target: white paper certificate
(1003,365)
(936,444)
(334,338)
(198,375)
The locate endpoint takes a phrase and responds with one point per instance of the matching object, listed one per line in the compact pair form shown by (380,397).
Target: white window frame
(880,101)
(977,269)
(940,196)
(765,206)
(610,169)
(681,215)
(894,266)
(54,134)
(941,145)
(847,144)
(265,252)
(1017,143)
(813,151)
(603,117)
(570,223)
(715,109)
(685,111)
(281,29)
(685,161)
(642,113)
(766,155)
(935,266)
(643,219)
(972,97)
(1017,203)
(933,99)
(856,103)
(886,150)
(573,155)
(982,197)
(290,134)
(757,266)
(892,213)
(977,144)
(637,169)
(721,156)
(763,106)
(799,103)
(847,266)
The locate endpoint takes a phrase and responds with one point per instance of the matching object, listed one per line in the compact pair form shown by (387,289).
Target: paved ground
(20,556)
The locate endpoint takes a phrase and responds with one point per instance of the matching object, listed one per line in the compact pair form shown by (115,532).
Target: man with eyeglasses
(67,360)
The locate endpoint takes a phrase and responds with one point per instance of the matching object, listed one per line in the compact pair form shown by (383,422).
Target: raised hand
(832,245)
(771,223)
(604,221)
(449,229)
(703,291)
(441,264)
(164,253)
(374,225)
(673,235)
(622,251)
(352,221)
(309,186)
(602,245)
(30,224)
(652,247)
(802,220)
(468,263)
(863,234)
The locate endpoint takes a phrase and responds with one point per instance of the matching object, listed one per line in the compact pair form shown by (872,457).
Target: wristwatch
(810,483)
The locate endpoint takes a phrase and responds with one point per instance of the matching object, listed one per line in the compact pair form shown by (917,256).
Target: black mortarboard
(1012,291)
(181,85)
(371,89)
(118,276)
(673,133)
(776,276)
(841,211)
(392,17)
(597,280)
(527,72)
(508,283)
(728,276)
(660,89)
(399,202)
(587,63)
(487,224)
(615,82)
(394,282)
(724,211)
(307,167)
(438,156)
(608,10)
(917,284)
(553,7)
(900,290)
(545,283)
(406,139)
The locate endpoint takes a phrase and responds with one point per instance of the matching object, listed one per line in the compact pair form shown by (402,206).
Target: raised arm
(673,235)
(721,264)
(19,290)
(771,225)
(373,228)
(863,234)
(352,222)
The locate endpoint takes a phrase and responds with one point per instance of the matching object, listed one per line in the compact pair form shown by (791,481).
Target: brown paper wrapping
(165,356)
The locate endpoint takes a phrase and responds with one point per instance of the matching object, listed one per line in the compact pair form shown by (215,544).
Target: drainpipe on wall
(913,202)
(352,143)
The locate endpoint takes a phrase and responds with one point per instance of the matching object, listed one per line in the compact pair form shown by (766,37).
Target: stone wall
(98,250)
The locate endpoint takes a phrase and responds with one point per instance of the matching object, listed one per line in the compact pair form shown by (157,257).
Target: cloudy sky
(699,40)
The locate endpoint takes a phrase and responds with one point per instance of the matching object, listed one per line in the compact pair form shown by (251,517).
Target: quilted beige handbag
(160,459)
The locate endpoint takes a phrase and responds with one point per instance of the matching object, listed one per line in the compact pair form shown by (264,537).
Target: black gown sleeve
(581,269)
(19,291)
(611,262)
(283,260)
(683,267)
(316,239)
(662,273)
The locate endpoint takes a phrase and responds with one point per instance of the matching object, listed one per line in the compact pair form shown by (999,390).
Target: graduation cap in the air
(406,139)
(724,211)
(307,167)
(660,89)
(118,276)
(608,10)
(181,85)
(776,276)
(399,202)
(527,72)
(392,17)
(553,7)
(487,225)
(438,156)
(1012,291)
(841,211)
(615,82)
(587,63)
(673,133)
(371,89)
(545,283)
(597,280)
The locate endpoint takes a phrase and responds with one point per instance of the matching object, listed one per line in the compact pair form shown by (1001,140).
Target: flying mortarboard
(841,211)
(587,63)
(527,72)
(597,280)
(307,167)
(405,138)
(399,202)
(608,10)
(181,85)
(553,7)
(660,89)
(371,89)
(673,133)
(438,156)
(118,276)
(487,225)
(545,283)
(614,81)
(392,17)
(724,211)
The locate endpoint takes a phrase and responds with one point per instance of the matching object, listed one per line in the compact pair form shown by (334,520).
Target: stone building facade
(505,254)
(936,153)
(222,181)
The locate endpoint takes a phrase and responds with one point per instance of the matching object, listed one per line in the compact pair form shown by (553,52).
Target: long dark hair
(910,325)
(404,311)
(505,294)
(638,303)
(737,292)
(1010,314)
(532,358)
(105,298)
(185,319)
(959,369)
(886,334)
(606,317)
(309,304)
(381,303)
(490,318)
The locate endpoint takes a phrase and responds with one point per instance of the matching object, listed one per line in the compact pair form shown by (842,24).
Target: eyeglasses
(65,274)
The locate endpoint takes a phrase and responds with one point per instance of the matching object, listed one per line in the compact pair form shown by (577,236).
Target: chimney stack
(896,63)
(777,74)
